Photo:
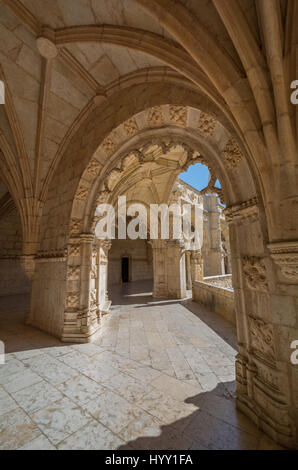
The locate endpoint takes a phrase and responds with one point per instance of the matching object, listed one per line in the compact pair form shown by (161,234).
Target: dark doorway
(125,269)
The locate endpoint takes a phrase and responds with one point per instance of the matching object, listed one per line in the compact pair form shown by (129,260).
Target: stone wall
(12,277)
(139,254)
(219,299)
(48,290)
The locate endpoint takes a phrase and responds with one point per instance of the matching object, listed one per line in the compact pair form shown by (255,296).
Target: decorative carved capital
(285,255)
(28,265)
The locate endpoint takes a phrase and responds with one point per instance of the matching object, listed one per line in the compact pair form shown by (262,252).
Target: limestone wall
(139,254)
(12,277)
(48,290)
(219,299)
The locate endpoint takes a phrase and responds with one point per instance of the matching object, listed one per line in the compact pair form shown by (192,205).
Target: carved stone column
(265,284)
(176,272)
(104,303)
(196,260)
(81,317)
(188,270)
(160,282)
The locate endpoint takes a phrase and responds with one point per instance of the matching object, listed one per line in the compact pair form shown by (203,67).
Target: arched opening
(127,166)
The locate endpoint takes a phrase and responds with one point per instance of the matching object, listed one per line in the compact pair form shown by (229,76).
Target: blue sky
(197,176)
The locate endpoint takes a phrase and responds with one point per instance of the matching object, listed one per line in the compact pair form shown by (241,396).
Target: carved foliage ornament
(93,168)
(255,273)
(73,273)
(232,155)
(206,124)
(155,116)
(73,299)
(131,127)
(82,193)
(262,338)
(178,115)
(75,226)
(109,146)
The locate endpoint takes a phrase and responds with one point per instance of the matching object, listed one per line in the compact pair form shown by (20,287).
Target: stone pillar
(188,270)
(176,272)
(265,280)
(214,264)
(81,316)
(160,282)
(103,301)
(196,260)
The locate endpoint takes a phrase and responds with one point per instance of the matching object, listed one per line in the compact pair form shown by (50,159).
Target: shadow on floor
(16,335)
(217,323)
(215,424)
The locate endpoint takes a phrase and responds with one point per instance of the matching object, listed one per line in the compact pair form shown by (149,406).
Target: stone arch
(167,126)
(78,316)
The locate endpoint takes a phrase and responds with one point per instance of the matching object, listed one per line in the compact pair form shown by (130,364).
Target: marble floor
(160,376)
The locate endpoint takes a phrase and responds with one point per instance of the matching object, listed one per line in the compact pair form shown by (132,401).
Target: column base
(282,434)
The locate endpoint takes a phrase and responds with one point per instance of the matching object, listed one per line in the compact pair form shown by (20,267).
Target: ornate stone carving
(73,299)
(106,245)
(206,124)
(130,160)
(155,116)
(93,168)
(74,250)
(73,273)
(178,115)
(247,211)
(94,271)
(232,155)
(82,193)
(262,340)
(131,127)
(109,146)
(74,226)
(255,273)
(268,376)
(51,255)
(285,255)
(93,297)
(114,177)
(103,196)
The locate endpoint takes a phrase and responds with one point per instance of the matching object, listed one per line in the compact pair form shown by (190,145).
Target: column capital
(285,256)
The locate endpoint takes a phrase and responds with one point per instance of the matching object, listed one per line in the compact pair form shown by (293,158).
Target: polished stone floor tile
(60,419)
(36,397)
(112,410)
(160,375)
(93,436)
(16,429)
